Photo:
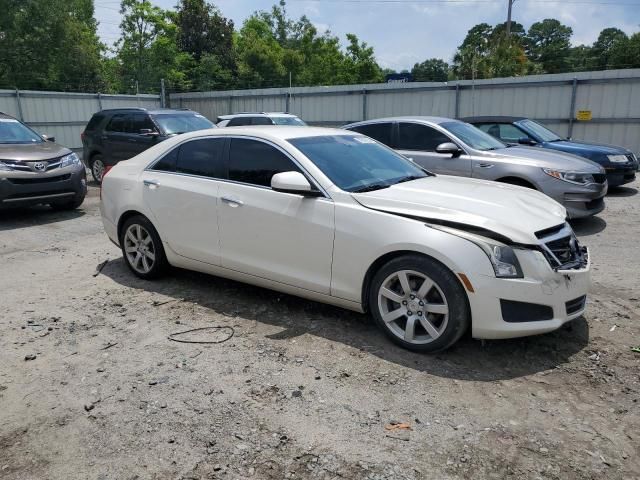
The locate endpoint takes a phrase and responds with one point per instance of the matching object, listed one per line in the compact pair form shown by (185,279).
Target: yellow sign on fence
(584,115)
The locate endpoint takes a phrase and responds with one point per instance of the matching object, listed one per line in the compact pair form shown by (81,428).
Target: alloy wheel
(139,248)
(413,307)
(97,169)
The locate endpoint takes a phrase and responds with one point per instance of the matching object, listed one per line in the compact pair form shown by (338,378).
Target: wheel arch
(519,181)
(126,216)
(387,257)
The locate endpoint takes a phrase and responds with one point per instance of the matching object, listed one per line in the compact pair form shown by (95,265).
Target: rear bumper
(33,189)
(539,303)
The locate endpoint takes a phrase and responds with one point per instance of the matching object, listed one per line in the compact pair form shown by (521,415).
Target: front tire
(142,248)
(419,303)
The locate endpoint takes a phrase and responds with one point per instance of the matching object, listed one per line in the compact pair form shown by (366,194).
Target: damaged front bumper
(540,302)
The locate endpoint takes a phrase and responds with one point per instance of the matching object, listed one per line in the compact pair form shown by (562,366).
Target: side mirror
(47,138)
(450,148)
(526,141)
(292,182)
(147,132)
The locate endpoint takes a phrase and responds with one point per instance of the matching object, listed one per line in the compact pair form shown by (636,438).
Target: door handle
(233,202)
(151,183)
(486,165)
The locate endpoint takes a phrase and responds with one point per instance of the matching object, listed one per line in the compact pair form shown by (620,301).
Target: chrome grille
(29,166)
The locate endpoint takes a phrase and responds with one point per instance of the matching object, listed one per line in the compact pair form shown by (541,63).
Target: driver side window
(413,136)
(255,162)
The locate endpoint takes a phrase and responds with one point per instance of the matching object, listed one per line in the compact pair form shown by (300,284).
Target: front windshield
(12,131)
(182,123)
(294,121)
(473,136)
(537,130)
(356,163)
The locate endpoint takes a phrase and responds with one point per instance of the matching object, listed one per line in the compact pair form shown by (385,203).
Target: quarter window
(256,162)
(378,131)
(118,123)
(168,162)
(202,157)
(413,136)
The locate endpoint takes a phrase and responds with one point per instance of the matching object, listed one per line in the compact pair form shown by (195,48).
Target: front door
(418,142)
(279,236)
(182,191)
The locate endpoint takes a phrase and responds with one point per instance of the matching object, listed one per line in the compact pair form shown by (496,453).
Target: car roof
(407,118)
(255,114)
(494,118)
(152,111)
(269,132)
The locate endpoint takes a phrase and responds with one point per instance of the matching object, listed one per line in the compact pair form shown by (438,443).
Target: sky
(404,32)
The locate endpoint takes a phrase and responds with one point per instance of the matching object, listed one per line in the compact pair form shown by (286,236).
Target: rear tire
(419,304)
(97,168)
(142,248)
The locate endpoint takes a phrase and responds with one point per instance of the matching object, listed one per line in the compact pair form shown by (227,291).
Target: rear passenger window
(239,122)
(261,121)
(378,131)
(202,157)
(256,162)
(118,123)
(413,136)
(168,162)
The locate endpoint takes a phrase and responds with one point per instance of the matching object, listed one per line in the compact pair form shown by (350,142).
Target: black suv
(119,134)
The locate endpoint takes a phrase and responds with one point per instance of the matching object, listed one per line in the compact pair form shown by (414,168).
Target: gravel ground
(92,388)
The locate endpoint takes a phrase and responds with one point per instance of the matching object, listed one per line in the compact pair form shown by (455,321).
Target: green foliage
(431,70)
(548,44)
(39,37)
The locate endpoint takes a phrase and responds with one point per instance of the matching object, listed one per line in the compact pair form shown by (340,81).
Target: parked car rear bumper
(21,190)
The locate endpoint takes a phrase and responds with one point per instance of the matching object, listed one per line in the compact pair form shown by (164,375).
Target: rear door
(382,131)
(279,236)
(419,142)
(181,190)
(115,138)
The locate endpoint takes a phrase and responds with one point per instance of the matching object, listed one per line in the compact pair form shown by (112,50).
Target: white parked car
(335,217)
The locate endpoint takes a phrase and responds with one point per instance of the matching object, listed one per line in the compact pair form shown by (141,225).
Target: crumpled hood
(511,211)
(545,158)
(32,152)
(593,151)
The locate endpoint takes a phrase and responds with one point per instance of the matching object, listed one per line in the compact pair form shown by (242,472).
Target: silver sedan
(452,147)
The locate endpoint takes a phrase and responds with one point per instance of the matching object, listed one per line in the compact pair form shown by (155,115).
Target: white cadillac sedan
(335,217)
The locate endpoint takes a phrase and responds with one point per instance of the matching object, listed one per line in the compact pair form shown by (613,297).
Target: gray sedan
(452,147)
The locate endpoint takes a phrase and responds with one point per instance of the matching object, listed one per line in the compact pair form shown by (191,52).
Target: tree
(38,39)
(605,45)
(548,43)
(431,70)
(626,53)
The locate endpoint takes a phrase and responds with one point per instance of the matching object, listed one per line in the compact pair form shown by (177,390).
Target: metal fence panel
(613,97)
(64,115)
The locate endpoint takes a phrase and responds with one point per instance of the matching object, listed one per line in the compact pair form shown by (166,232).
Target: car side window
(118,123)
(254,162)
(141,121)
(202,157)
(378,131)
(94,122)
(511,133)
(239,122)
(261,121)
(167,163)
(413,136)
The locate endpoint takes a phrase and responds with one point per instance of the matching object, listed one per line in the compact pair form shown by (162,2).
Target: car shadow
(622,192)
(585,227)
(16,218)
(467,360)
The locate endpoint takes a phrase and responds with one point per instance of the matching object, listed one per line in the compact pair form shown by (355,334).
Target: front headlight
(502,257)
(71,159)
(4,167)
(578,178)
(618,158)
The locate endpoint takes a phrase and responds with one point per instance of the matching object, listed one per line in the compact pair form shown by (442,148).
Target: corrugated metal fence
(64,115)
(612,96)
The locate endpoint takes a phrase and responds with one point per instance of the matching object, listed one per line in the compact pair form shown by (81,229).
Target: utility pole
(510,2)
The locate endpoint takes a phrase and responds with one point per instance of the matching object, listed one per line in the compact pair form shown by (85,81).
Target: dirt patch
(301,390)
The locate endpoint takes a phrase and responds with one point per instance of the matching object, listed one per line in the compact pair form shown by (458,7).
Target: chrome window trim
(227,180)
